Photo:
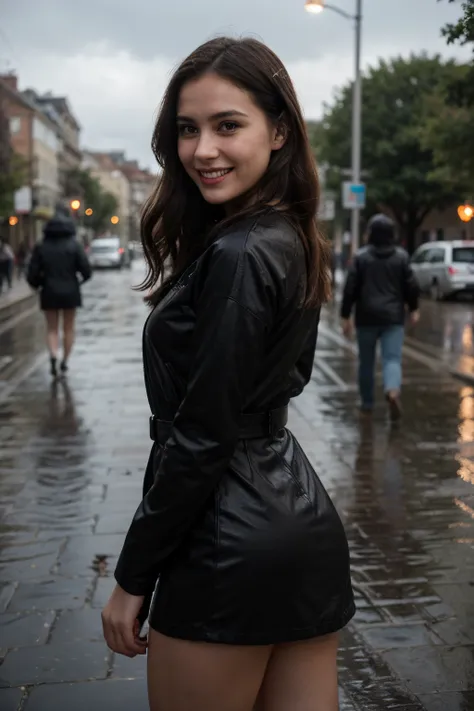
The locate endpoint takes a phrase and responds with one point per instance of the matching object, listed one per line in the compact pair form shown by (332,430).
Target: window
(420,256)
(437,256)
(440,235)
(463,254)
(15,124)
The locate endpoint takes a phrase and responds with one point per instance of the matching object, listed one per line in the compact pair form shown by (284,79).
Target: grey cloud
(148,28)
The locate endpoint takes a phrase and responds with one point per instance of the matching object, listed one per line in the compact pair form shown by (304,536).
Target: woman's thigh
(301,676)
(52,319)
(197,676)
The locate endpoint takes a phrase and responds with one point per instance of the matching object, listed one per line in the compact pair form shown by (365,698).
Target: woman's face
(225,140)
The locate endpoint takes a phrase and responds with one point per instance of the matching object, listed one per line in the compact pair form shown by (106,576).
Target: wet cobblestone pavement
(72,457)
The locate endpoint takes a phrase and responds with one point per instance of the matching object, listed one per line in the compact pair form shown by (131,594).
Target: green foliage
(463,30)
(397,154)
(13,175)
(80,183)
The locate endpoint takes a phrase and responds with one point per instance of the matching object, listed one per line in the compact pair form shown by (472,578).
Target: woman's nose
(206,148)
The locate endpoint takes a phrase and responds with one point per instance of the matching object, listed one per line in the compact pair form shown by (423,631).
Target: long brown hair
(178,224)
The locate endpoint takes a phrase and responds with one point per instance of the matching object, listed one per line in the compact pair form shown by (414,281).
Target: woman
(54,268)
(250,553)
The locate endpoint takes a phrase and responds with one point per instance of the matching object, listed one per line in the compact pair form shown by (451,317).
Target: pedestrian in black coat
(56,267)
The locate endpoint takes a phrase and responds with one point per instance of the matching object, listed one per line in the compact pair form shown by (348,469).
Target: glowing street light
(466,212)
(89,211)
(115,220)
(314,6)
(13,220)
(75,205)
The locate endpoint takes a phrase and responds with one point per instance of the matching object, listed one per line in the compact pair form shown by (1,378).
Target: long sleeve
(351,289)
(34,274)
(82,263)
(234,309)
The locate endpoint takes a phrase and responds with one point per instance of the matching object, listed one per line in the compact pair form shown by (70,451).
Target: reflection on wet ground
(72,456)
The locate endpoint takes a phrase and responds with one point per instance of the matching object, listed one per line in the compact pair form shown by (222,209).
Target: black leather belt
(253,425)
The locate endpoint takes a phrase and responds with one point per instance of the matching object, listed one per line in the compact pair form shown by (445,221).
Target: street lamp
(89,212)
(75,205)
(114,219)
(315,7)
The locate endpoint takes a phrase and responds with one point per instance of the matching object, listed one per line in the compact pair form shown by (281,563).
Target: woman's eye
(185,130)
(228,126)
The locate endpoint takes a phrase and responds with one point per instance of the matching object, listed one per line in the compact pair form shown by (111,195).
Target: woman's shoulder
(270,234)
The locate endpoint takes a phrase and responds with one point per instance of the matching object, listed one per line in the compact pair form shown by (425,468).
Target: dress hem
(255,639)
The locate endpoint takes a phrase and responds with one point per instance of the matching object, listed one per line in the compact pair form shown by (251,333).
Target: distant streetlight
(315,7)
(75,205)
(115,220)
(89,211)
(466,212)
(13,220)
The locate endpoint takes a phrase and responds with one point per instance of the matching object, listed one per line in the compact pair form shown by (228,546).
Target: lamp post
(315,7)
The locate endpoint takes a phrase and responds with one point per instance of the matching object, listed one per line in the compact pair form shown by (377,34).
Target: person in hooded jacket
(54,268)
(381,285)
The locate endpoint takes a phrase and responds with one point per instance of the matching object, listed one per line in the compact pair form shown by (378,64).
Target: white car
(107,252)
(445,269)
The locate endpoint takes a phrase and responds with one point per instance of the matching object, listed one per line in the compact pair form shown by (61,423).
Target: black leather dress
(239,531)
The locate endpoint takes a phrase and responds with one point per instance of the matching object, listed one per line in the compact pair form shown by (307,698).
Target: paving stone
(6,593)
(103,591)
(20,629)
(462,701)
(10,699)
(84,555)
(434,669)
(77,626)
(125,668)
(394,636)
(54,663)
(54,594)
(111,695)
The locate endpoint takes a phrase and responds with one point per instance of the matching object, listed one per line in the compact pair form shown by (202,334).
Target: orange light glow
(75,204)
(466,212)
(13,220)
(114,220)
(89,211)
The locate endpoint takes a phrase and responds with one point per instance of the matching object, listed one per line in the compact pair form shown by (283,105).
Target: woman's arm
(234,310)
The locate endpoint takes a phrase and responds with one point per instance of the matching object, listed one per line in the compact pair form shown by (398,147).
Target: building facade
(113,181)
(34,137)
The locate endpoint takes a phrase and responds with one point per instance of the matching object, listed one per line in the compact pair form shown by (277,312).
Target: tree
(80,183)
(451,132)
(399,162)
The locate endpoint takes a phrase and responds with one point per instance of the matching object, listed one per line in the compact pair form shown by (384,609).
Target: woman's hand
(120,624)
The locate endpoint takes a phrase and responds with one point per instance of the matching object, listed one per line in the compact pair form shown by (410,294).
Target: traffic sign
(353,195)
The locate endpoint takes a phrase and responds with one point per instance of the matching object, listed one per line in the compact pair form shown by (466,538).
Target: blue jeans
(391,343)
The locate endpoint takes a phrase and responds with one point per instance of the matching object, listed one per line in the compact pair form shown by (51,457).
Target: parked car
(107,252)
(445,269)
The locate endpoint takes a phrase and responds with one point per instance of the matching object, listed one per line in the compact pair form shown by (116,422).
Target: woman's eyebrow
(214,117)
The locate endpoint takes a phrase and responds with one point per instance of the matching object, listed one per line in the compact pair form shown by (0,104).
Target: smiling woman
(236,539)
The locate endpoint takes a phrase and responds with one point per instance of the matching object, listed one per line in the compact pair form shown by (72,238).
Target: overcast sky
(112,58)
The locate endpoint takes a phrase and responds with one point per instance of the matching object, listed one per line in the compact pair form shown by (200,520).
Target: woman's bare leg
(69,319)
(301,676)
(197,676)
(52,336)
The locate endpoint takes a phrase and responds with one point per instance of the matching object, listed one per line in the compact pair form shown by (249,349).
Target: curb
(18,306)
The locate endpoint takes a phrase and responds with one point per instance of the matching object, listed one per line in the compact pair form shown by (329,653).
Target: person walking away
(250,556)
(381,285)
(53,269)
(21,259)
(7,262)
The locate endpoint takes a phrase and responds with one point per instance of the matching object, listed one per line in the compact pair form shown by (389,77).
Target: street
(72,458)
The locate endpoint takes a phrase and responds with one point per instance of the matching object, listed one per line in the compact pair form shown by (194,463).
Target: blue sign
(354,195)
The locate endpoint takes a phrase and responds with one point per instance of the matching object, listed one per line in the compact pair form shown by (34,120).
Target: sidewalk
(16,300)
(72,458)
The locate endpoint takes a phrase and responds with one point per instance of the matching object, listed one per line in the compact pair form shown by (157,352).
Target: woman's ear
(280,135)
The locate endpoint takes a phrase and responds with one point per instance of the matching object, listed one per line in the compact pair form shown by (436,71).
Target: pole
(357,125)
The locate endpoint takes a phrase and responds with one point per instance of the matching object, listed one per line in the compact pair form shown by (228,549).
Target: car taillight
(452,271)
(121,250)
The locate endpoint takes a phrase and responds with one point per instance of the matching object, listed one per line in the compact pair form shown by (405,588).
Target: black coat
(245,541)
(55,265)
(380,283)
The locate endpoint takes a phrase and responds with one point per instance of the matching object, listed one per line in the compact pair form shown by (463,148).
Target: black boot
(64,366)
(54,370)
